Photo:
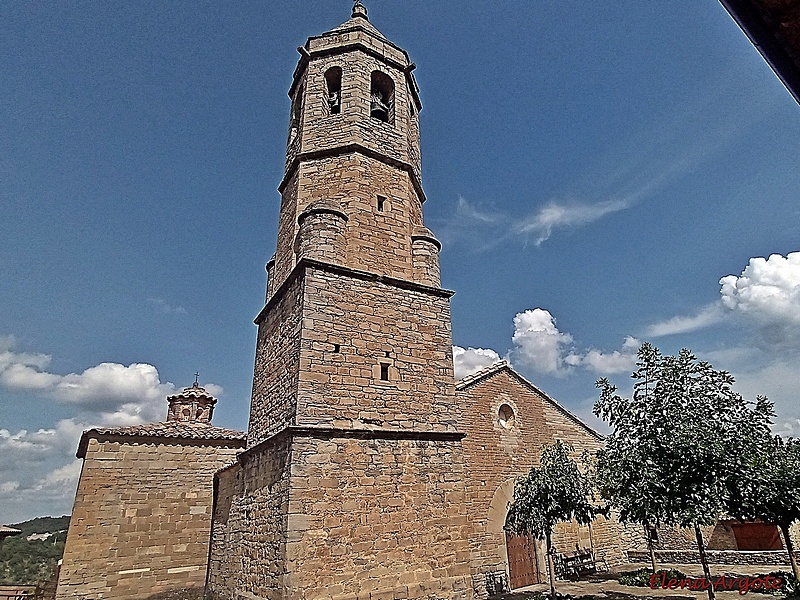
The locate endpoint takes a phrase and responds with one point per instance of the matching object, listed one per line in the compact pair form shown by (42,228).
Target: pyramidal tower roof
(358,20)
(356,33)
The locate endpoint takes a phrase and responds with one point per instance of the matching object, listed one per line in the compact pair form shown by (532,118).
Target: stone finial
(359,10)
(192,406)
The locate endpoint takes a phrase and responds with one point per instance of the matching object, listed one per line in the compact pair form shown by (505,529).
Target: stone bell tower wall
(345,348)
(380,201)
(377,516)
(275,379)
(251,524)
(358,56)
(375,353)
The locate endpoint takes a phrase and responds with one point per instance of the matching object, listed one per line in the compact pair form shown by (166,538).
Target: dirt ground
(604,586)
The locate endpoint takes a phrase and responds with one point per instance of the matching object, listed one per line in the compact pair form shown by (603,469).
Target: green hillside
(31,562)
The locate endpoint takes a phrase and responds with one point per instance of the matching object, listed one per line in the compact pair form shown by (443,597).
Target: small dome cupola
(192,406)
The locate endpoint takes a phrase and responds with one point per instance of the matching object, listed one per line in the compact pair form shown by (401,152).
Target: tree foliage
(770,489)
(555,491)
(678,441)
(31,562)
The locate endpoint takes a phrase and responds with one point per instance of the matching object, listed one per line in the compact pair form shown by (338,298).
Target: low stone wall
(716,557)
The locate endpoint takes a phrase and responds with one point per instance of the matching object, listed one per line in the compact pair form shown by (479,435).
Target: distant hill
(31,562)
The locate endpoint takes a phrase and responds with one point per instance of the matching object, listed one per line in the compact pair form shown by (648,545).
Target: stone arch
(496,518)
(333,89)
(382,97)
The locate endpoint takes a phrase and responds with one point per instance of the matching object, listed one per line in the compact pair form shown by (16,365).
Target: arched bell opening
(381,97)
(333,89)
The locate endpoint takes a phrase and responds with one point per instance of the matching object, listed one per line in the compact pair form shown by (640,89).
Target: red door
(756,536)
(522,564)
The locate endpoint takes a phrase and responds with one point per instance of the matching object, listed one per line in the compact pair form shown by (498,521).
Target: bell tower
(352,484)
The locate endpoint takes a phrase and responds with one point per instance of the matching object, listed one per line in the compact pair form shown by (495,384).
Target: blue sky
(593,170)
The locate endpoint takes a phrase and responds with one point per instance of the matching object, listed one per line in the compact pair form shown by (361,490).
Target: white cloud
(767,293)
(38,469)
(608,363)
(557,216)
(165,307)
(708,315)
(538,344)
(470,360)
(110,389)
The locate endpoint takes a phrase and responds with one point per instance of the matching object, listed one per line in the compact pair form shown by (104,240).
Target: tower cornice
(305,263)
(350,149)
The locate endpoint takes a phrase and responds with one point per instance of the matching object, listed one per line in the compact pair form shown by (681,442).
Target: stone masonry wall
(141,520)
(496,454)
(275,375)
(377,519)
(352,326)
(248,553)
(376,240)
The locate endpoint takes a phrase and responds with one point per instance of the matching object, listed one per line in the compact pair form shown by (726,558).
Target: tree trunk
(704,560)
(650,547)
(550,570)
(790,549)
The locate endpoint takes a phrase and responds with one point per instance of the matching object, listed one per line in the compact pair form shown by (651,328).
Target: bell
(378,109)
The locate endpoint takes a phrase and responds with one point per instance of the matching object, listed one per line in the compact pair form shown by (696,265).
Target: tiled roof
(6,530)
(477,375)
(167,430)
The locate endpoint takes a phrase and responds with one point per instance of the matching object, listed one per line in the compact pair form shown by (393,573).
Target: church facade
(367,471)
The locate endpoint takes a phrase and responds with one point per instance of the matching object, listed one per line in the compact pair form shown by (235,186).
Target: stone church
(367,471)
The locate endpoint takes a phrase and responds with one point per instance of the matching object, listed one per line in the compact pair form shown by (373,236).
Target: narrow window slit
(384,372)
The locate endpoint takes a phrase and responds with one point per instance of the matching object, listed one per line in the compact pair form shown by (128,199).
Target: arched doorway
(520,555)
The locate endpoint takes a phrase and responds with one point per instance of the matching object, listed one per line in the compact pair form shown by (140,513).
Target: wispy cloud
(560,216)
(765,296)
(706,316)
(165,307)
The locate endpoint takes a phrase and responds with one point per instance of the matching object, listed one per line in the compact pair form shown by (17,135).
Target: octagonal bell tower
(352,485)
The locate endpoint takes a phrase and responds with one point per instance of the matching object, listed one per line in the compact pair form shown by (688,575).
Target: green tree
(555,491)
(770,489)
(677,442)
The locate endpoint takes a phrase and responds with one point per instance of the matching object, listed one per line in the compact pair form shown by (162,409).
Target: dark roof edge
(352,149)
(752,23)
(126,437)
(303,263)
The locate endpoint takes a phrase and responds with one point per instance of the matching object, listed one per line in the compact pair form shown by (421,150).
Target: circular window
(505,414)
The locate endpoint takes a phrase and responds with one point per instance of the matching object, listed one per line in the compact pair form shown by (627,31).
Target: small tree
(555,491)
(770,489)
(677,442)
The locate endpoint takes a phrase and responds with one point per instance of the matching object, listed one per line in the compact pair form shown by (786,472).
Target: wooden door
(522,563)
